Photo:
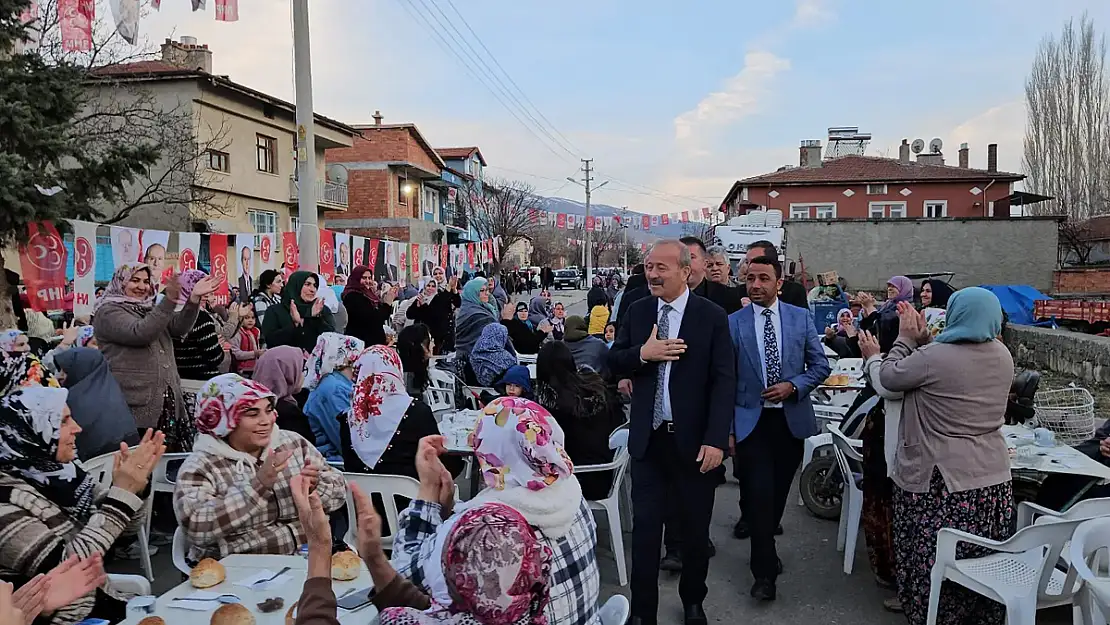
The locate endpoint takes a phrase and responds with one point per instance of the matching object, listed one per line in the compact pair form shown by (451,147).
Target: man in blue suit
(779,362)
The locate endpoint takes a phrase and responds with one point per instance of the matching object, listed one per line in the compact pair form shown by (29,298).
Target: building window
(267,154)
(935,209)
(431,201)
(262,222)
(876,189)
(826,211)
(799,212)
(809,211)
(218,161)
(404,190)
(894,210)
(295,224)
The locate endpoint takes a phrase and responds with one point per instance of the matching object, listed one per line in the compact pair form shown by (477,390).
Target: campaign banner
(372,253)
(75,22)
(227,10)
(267,244)
(561,221)
(414,261)
(470,254)
(217,260)
(154,244)
(291,254)
(646,222)
(188,250)
(342,256)
(655,220)
(43,260)
(390,259)
(665,219)
(705,212)
(497,248)
(402,261)
(572,221)
(244,258)
(126,247)
(444,252)
(590,222)
(428,258)
(358,251)
(84,267)
(327,254)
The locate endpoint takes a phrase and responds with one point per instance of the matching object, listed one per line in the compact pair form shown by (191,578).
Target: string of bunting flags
(569,221)
(49,262)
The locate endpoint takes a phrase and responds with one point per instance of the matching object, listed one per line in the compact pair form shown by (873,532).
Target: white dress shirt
(674,324)
(760,325)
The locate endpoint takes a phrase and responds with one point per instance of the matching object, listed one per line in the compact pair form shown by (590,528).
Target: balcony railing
(454,216)
(327,192)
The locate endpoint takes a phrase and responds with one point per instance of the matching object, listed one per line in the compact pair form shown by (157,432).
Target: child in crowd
(515,383)
(246,345)
(610,333)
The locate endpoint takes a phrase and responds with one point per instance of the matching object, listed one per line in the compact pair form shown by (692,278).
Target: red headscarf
(354,284)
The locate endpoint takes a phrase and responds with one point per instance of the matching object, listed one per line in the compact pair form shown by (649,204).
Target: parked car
(566,278)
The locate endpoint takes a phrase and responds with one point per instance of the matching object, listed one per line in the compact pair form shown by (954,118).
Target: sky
(674,101)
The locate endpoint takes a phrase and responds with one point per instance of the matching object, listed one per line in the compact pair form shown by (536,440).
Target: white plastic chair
(180,549)
(1088,539)
(611,505)
(615,611)
(1029,513)
(389,487)
(136,585)
(100,468)
(1020,574)
(439,399)
(849,366)
(441,379)
(851,502)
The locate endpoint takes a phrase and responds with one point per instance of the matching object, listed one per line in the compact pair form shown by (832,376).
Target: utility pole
(306,141)
(586,167)
(624,247)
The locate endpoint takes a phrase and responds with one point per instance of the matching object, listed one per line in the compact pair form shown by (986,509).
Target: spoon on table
(225,598)
(271,578)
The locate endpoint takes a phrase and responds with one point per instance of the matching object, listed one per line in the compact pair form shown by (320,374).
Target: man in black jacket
(727,297)
(791,292)
(634,291)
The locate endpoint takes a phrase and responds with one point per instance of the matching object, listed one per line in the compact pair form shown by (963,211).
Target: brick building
(870,187)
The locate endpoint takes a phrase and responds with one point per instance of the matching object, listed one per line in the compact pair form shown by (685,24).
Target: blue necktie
(771,350)
(664,326)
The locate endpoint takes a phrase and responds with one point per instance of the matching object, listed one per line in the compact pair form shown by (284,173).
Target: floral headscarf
(84,335)
(492,354)
(30,426)
(8,339)
(115,293)
(518,443)
(23,369)
(380,402)
(497,573)
(222,399)
(188,281)
(333,351)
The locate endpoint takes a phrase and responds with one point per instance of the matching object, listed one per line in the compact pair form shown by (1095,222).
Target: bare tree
(500,208)
(1075,242)
(549,245)
(1067,139)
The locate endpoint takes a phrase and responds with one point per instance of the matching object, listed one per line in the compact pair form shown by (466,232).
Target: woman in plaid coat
(233,493)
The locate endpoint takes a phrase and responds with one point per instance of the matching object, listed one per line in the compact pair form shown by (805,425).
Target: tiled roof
(864,169)
(459,153)
(141,68)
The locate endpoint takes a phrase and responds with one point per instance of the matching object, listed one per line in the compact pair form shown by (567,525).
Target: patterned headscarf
(333,352)
(380,402)
(518,443)
(188,281)
(497,572)
(222,399)
(115,292)
(8,339)
(23,369)
(492,355)
(84,335)
(30,427)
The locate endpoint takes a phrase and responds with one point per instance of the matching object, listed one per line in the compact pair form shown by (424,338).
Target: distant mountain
(574,207)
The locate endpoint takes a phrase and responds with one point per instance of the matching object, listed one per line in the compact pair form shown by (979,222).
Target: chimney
(187,54)
(810,156)
(378,118)
(963,156)
(992,157)
(931,158)
(904,151)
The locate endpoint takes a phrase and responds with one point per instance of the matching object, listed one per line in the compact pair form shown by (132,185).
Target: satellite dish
(935,145)
(336,173)
(917,146)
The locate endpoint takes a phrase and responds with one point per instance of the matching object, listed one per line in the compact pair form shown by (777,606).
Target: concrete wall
(981,251)
(1084,356)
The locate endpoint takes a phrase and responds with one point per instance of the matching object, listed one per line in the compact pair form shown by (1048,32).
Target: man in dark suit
(727,297)
(779,361)
(682,404)
(792,293)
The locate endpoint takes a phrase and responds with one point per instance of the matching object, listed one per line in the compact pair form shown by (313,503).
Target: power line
(443,43)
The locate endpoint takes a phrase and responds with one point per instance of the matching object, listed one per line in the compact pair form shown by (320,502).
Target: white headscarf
(333,351)
(380,402)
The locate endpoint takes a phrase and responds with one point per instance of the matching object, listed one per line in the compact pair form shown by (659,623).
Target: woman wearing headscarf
(492,355)
(96,403)
(232,493)
(72,336)
(526,336)
(267,294)
(281,370)
(521,455)
(588,351)
(330,377)
(882,322)
(438,313)
(385,422)
(558,321)
(500,297)
(367,311)
(52,509)
(596,296)
(585,408)
(934,300)
(23,369)
(136,337)
(837,335)
(951,468)
(302,316)
(13,341)
(475,313)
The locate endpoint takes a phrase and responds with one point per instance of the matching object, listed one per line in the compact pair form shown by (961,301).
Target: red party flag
(327,253)
(470,254)
(590,221)
(75,20)
(646,222)
(665,219)
(291,253)
(43,259)
(372,257)
(227,10)
(217,260)
(561,220)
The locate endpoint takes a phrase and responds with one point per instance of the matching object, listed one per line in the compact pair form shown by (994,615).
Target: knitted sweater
(199,353)
(36,535)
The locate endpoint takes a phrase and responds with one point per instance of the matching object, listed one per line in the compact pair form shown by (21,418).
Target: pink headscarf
(281,369)
(905,292)
(222,399)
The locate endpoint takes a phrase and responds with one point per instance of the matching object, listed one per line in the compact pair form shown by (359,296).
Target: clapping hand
(133,466)
(661,350)
(1104,447)
(204,286)
(310,510)
(30,599)
(9,613)
(435,480)
(545,326)
(912,324)
(172,289)
(69,334)
(296,314)
(72,580)
(508,310)
(317,307)
(868,346)
(369,525)
(272,467)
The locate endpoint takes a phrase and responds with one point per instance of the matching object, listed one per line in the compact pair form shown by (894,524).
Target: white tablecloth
(240,567)
(1058,459)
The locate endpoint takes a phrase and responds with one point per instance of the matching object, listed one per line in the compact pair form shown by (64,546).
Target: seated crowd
(291,386)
